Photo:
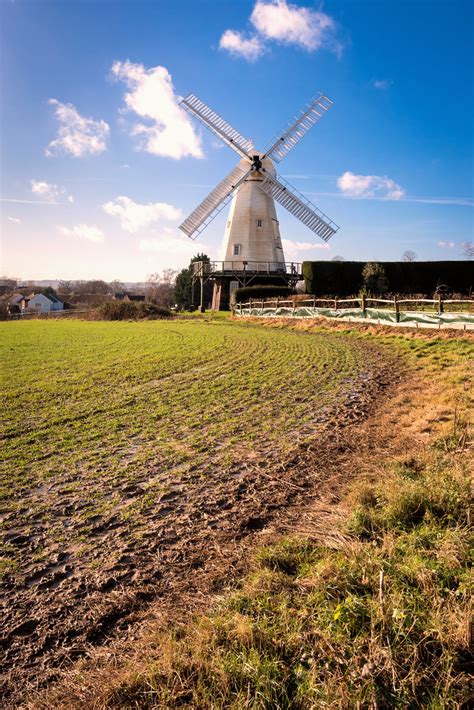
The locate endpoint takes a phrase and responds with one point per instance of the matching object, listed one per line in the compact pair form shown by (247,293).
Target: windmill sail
(310,115)
(299,206)
(231,137)
(214,202)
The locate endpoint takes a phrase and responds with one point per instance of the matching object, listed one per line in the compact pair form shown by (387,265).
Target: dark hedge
(246,292)
(344,278)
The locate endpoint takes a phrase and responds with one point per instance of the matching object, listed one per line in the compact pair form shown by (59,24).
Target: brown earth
(196,541)
(302,496)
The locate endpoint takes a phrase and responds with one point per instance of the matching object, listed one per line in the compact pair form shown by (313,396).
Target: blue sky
(99,165)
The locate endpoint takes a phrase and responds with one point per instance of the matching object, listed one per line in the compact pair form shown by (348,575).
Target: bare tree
(409,256)
(468,250)
(160,288)
(116,286)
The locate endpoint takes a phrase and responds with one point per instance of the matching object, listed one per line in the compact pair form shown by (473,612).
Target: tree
(7,284)
(65,287)
(116,286)
(409,256)
(160,288)
(468,250)
(374,278)
(47,291)
(88,288)
(182,289)
(183,286)
(338,258)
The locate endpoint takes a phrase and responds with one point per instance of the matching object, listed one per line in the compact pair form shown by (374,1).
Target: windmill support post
(201,304)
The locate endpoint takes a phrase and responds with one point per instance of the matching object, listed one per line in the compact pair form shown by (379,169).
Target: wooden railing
(205,268)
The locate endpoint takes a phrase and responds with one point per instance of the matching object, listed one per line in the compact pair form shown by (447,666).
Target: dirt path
(196,541)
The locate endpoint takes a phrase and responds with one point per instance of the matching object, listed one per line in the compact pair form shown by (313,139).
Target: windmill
(252,248)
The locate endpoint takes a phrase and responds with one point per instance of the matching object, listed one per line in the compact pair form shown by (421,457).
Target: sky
(99,164)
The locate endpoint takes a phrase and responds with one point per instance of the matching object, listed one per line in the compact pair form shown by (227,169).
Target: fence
(429,311)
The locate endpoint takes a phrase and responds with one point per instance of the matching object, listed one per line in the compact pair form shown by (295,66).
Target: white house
(39,303)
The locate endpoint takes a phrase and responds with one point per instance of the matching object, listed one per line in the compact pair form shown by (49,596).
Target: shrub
(374,278)
(129,310)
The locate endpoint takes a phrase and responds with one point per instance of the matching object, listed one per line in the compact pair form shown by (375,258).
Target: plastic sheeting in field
(380,315)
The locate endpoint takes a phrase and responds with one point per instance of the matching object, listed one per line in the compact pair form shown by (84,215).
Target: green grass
(379,623)
(91,406)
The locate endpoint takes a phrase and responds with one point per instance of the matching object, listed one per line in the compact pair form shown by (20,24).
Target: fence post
(335,304)
(440,304)
(314,303)
(364,305)
(397,309)
(250,305)
(294,307)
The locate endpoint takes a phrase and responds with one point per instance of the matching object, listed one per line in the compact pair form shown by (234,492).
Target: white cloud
(291,24)
(15,220)
(49,192)
(251,48)
(382,84)
(170,241)
(292,249)
(83,231)
(352,185)
(169,132)
(134,216)
(446,245)
(280,21)
(77,135)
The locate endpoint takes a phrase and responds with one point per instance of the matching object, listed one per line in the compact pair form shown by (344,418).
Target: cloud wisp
(238,45)
(86,232)
(284,23)
(49,192)
(454,201)
(382,84)
(293,249)
(171,241)
(368,186)
(77,136)
(169,131)
(134,216)
(446,245)
(15,220)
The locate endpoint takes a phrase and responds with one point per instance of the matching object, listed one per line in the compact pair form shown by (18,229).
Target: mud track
(58,613)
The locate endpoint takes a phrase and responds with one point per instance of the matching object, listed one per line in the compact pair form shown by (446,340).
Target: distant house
(127,296)
(16,299)
(39,303)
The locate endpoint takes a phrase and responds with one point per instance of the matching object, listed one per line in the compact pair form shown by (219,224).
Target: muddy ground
(60,610)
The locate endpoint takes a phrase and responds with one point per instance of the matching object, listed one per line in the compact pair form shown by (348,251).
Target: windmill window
(237,249)
(259,222)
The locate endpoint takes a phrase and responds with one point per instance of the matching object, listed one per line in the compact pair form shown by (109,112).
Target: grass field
(365,605)
(91,406)
(123,441)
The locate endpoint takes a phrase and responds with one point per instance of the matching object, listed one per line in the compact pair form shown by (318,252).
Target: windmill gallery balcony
(227,276)
(246,271)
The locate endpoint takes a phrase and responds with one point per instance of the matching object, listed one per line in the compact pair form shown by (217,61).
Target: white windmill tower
(252,249)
